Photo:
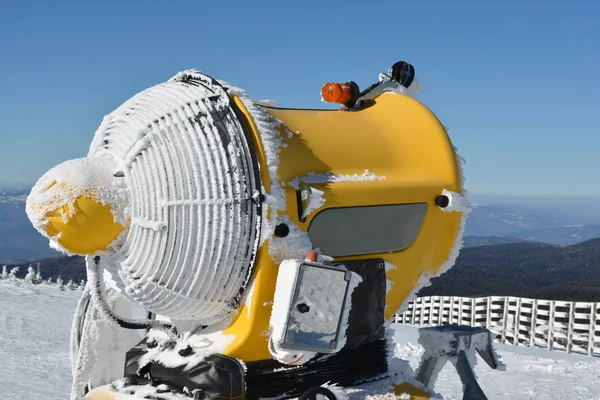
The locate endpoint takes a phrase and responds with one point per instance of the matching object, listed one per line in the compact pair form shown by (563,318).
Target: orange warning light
(336,92)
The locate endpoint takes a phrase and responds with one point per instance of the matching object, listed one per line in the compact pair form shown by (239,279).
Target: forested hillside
(524,269)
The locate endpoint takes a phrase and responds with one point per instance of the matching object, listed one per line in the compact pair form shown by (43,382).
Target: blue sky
(516,81)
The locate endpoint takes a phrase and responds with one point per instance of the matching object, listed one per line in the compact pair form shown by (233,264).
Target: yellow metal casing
(86,227)
(397,138)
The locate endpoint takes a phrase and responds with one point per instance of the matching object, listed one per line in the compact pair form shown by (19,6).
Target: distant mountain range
(19,241)
(531,224)
(477,241)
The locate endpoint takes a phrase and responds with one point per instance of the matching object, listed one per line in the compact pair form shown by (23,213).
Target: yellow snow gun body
(241,223)
(390,160)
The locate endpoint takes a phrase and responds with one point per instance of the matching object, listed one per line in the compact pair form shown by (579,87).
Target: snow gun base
(457,344)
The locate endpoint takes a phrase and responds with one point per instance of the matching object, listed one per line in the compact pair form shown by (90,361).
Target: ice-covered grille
(187,163)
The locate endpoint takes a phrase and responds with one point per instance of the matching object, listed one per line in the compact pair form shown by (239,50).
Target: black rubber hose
(311,394)
(98,294)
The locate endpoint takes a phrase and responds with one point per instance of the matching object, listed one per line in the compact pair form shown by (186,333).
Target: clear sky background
(517,82)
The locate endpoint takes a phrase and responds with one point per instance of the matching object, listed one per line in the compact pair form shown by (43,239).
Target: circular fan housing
(188,164)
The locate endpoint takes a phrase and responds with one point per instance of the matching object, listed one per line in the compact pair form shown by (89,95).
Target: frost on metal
(338,391)
(177,148)
(413,90)
(284,287)
(324,309)
(59,188)
(181,151)
(294,246)
(202,346)
(270,129)
(458,202)
(329,177)
(98,345)
(314,199)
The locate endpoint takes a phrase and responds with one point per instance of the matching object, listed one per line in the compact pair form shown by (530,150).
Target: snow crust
(338,392)
(457,202)
(315,199)
(294,246)
(461,204)
(413,90)
(202,346)
(34,340)
(98,343)
(329,177)
(297,243)
(286,278)
(34,351)
(269,129)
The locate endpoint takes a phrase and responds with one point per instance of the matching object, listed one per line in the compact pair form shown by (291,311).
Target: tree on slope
(30,277)
(12,276)
(71,285)
(60,283)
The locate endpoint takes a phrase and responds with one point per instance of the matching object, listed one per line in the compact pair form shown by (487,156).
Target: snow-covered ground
(35,322)
(34,356)
(530,373)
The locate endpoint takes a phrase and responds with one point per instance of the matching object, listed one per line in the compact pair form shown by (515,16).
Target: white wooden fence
(569,326)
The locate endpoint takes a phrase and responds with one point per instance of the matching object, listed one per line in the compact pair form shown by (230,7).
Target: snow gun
(238,250)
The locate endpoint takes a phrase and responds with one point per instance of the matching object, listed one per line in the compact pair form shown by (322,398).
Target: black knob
(442,201)
(403,73)
(282,230)
(303,308)
(186,351)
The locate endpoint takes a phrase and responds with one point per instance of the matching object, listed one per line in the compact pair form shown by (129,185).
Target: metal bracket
(453,343)
(378,90)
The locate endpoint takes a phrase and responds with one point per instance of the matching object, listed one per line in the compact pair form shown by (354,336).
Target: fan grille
(192,179)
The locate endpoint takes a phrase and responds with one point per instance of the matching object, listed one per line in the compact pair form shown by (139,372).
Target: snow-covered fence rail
(569,326)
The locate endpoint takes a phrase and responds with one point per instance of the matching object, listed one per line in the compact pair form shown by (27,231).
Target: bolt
(282,230)
(303,308)
(186,351)
(442,201)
